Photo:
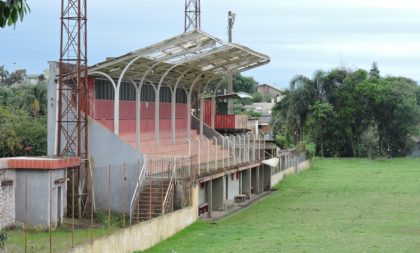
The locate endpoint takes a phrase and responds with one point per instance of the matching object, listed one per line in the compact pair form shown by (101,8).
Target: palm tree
(3,74)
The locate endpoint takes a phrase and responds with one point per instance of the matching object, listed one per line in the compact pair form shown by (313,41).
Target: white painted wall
(233,186)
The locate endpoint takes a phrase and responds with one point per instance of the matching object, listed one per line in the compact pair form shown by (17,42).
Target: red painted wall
(104,113)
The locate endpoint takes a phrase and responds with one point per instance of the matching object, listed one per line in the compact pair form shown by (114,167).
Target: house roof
(272,87)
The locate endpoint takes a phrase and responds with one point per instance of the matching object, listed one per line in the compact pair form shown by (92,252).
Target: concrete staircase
(180,148)
(149,201)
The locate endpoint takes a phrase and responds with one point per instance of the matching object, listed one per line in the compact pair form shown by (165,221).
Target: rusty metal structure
(73,106)
(192,15)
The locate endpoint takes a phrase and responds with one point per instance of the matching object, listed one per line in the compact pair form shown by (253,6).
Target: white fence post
(215,150)
(199,155)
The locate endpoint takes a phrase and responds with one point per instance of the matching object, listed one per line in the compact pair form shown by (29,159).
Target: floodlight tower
(231,22)
(73,106)
(192,15)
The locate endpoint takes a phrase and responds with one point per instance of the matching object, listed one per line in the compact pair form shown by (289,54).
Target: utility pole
(73,103)
(231,22)
(192,15)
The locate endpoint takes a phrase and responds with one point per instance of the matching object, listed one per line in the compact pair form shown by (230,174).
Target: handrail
(169,188)
(141,178)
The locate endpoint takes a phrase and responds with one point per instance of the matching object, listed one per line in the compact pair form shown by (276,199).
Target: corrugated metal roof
(189,55)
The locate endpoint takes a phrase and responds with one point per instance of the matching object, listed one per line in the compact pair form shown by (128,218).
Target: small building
(270,92)
(35,190)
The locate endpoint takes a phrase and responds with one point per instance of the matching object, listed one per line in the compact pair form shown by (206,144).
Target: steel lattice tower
(73,107)
(192,15)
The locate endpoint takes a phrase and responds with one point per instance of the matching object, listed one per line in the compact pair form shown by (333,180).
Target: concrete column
(258,180)
(209,185)
(250,181)
(157,116)
(263,178)
(224,188)
(173,115)
(188,115)
(240,182)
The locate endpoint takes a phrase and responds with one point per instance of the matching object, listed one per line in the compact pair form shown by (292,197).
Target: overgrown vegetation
(23,115)
(350,113)
(3,238)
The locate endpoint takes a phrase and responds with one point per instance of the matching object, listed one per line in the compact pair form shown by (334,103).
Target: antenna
(192,15)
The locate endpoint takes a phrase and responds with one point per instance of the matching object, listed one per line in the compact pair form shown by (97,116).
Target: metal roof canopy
(193,57)
(230,95)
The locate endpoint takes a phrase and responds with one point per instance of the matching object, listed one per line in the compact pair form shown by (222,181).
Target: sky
(300,36)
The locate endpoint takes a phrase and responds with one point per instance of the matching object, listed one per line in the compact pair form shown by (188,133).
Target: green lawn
(336,206)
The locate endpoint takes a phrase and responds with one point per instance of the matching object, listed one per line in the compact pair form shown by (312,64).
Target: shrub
(3,238)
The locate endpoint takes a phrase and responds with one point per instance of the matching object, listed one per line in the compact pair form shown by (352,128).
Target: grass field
(39,241)
(336,206)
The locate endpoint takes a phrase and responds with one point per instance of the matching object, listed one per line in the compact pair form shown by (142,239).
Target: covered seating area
(147,96)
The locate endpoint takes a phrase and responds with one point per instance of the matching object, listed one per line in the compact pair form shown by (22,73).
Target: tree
(257,97)
(372,115)
(321,120)
(21,134)
(11,11)
(374,72)
(244,84)
(18,76)
(3,74)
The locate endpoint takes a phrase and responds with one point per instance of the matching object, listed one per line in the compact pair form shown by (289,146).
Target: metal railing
(169,191)
(141,178)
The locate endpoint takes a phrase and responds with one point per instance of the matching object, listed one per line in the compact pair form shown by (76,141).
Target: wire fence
(51,218)
(288,159)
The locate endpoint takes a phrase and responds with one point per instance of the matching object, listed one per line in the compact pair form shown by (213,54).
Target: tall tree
(374,71)
(3,74)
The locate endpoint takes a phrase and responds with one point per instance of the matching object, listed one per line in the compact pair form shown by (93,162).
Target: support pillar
(250,182)
(258,180)
(173,115)
(210,197)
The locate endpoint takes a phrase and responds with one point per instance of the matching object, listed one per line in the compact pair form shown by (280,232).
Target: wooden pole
(50,204)
(109,199)
(72,208)
(26,213)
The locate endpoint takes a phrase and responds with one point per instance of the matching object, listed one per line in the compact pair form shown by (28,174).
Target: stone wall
(7,198)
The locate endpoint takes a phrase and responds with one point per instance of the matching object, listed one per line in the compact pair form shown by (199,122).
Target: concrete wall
(233,186)
(278,177)
(40,192)
(107,149)
(7,198)
(266,177)
(246,181)
(201,194)
(218,193)
(254,182)
(146,234)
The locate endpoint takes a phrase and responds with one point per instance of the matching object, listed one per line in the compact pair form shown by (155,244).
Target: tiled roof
(39,163)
